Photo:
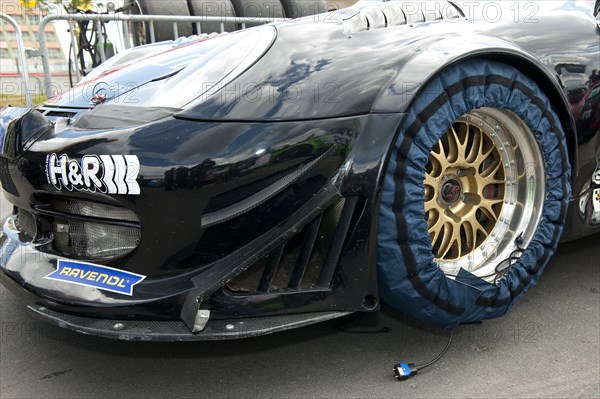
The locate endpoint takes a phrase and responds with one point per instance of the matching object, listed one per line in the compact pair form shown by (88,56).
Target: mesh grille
(248,281)
(86,208)
(26,223)
(6,179)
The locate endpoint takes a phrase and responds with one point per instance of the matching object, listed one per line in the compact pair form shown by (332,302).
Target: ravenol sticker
(96,276)
(108,174)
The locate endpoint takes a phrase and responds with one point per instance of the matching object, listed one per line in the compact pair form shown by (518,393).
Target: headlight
(115,234)
(101,241)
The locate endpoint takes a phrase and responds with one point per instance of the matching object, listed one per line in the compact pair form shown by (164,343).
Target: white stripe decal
(109,173)
(133,168)
(120,173)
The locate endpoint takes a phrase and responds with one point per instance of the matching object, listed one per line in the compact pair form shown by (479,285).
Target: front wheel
(474,197)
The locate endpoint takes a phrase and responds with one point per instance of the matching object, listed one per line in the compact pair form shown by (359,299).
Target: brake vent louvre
(388,14)
(5,179)
(306,261)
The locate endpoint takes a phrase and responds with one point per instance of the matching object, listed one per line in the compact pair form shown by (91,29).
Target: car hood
(169,74)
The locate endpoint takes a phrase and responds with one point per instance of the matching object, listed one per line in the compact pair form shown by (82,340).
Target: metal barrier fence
(99,19)
(23,67)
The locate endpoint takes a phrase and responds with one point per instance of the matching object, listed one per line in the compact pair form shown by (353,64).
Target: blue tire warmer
(409,279)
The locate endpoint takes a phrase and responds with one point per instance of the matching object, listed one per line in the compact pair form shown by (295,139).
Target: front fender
(416,73)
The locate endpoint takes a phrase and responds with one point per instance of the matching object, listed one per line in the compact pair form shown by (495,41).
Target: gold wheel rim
(485,187)
(465,182)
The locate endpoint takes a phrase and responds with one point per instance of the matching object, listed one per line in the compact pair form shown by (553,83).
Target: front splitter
(215,330)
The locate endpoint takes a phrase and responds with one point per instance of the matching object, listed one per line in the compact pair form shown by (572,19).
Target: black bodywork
(260,205)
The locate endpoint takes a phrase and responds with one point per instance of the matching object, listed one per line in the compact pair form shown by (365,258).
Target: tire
(162,30)
(502,213)
(258,9)
(213,8)
(303,8)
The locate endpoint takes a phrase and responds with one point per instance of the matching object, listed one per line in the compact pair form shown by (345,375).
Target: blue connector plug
(405,371)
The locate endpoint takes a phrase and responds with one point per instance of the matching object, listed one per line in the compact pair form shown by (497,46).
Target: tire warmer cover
(409,279)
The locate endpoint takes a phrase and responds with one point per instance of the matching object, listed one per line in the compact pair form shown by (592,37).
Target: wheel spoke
(457,146)
(431,181)
(447,240)
(430,205)
(491,170)
(434,233)
(477,227)
(483,182)
(488,211)
(438,154)
(476,147)
(470,235)
(435,167)
(486,150)
(436,221)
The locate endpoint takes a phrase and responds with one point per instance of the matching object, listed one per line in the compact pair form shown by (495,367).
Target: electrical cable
(404,371)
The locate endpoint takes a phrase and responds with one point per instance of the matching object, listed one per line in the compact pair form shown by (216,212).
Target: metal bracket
(201,320)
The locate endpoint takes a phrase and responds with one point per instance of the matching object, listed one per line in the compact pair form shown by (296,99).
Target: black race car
(429,156)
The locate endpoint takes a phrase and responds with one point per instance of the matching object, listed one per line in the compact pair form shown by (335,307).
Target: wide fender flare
(428,62)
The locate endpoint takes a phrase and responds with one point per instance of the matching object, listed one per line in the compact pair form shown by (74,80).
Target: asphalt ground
(546,347)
